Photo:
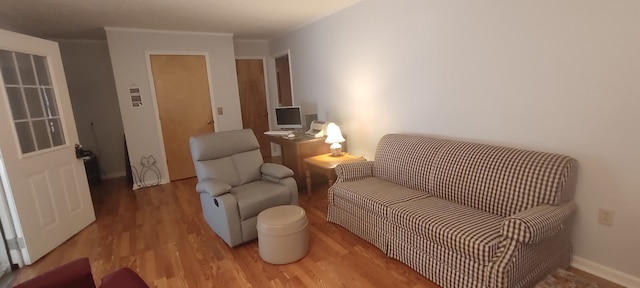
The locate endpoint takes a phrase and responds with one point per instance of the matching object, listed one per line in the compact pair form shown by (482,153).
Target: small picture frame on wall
(136,98)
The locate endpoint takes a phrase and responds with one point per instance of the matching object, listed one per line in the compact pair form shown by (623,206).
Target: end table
(326,164)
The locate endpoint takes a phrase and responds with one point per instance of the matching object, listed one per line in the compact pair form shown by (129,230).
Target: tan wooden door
(184,104)
(253,100)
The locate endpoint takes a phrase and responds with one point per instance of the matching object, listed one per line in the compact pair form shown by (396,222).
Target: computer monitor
(288,117)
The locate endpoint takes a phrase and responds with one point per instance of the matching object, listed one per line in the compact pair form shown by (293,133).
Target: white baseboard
(115,175)
(605,272)
(136,186)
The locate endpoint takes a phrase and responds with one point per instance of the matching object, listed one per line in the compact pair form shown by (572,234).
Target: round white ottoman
(283,236)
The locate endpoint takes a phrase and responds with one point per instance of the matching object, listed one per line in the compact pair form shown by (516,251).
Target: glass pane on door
(56,132)
(32,101)
(49,100)
(42,70)
(25,69)
(41,131)
(16,101)
(32,97)
(8,68)
(23,129)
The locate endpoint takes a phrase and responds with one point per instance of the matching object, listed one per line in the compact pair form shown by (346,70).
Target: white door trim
(6,219)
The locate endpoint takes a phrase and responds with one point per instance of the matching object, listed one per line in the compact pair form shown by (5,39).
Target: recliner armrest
(275,171)
(213,187)
(354,171)
(538,223)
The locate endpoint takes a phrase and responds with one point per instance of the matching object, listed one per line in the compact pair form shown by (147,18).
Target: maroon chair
(77,274)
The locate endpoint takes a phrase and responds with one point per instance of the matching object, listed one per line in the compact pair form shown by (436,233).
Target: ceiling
(85,19)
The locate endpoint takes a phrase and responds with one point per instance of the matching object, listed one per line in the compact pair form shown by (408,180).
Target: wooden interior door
(253,100)
(283,75)
(184,104)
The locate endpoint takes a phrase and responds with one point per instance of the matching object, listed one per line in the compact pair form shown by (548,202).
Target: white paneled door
(46,186)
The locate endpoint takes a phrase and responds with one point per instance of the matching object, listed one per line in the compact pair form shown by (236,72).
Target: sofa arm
(213,187)
(274,172)
(76,273)
(538,223)
(354,171)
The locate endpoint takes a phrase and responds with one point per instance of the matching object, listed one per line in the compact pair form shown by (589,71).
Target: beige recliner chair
(235,184)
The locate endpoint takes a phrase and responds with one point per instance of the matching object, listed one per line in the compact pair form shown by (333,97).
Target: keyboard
(278,132)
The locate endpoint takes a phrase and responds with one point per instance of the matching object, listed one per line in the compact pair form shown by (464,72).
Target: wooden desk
(296,149)
(326,165)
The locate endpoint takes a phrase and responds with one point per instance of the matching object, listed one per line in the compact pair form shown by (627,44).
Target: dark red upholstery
(77,274)
(123,278)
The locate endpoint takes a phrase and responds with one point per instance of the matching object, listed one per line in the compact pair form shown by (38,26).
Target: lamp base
(336,151)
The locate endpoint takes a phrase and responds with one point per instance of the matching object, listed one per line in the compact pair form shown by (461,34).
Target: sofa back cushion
(501,180)
(220,169)
(230,156)
(407,160)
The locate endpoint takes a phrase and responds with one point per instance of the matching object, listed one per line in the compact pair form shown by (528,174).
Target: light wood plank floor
(160,233)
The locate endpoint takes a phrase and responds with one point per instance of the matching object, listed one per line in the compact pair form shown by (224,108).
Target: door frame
(7,219)
(267,95)
(278,55)
(154,100)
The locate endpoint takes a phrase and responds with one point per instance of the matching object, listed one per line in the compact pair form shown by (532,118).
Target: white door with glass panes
(46,185)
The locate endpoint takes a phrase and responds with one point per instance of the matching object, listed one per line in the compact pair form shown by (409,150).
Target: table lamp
(334,137)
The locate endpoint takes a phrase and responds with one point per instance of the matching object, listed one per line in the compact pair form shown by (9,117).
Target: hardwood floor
(160,233)
(602,282)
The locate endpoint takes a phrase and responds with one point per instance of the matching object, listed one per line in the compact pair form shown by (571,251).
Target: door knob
(209,122)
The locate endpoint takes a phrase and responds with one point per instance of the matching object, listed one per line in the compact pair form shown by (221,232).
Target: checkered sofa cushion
(463,230)
(501,180)
(407,160)
(373,194)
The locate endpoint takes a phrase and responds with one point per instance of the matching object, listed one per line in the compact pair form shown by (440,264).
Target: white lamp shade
(334,135)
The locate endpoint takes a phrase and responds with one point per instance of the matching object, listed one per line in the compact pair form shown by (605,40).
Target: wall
(128,48)
(94,99)
(251,48)
(557,76)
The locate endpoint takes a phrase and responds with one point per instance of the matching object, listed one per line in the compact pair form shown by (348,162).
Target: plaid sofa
(461,214)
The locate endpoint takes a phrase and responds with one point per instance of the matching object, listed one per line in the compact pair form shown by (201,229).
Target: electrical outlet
(605,217)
